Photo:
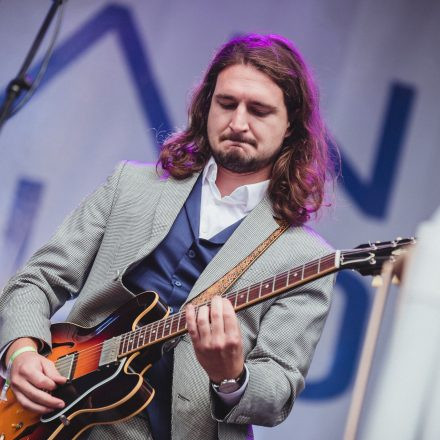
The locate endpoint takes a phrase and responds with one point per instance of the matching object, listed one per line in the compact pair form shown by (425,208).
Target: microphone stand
(21,82)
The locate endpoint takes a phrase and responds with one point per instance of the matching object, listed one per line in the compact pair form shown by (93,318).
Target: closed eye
(260,112)
(256,108)
(227,105)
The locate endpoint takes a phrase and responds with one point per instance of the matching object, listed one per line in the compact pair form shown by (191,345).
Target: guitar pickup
(110,351)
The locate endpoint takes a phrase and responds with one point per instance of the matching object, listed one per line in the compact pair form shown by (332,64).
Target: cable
(44,65)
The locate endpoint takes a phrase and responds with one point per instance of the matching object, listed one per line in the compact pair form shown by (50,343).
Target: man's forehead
(246,82)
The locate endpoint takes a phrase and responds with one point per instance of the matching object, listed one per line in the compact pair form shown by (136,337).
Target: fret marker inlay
(174,324)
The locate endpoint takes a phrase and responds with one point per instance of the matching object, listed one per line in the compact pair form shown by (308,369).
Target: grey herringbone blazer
(121,223)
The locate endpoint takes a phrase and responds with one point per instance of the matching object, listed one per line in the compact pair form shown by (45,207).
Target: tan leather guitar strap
(223,284)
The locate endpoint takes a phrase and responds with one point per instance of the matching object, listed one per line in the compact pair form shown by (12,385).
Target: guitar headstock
(369,258)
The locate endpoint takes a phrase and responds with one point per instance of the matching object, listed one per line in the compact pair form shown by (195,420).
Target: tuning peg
(377,281)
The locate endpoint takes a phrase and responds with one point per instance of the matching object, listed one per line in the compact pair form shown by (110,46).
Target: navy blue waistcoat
(171,270)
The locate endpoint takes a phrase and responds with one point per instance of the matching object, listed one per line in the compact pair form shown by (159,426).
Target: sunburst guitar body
(103,386)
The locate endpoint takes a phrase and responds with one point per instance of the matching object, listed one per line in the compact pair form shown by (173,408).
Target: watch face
(228,386)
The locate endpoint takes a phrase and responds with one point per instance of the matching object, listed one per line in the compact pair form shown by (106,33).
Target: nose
(239,120)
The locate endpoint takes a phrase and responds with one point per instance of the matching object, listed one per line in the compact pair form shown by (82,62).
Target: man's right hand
(32,377)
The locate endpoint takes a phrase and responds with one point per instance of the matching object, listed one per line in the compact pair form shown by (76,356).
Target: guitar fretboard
(175,325)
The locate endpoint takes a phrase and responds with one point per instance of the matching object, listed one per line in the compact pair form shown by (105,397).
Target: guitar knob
(17,426)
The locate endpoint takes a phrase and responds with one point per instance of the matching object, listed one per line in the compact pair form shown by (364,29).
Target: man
(254,154)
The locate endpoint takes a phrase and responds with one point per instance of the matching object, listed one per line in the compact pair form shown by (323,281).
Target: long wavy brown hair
(303,166)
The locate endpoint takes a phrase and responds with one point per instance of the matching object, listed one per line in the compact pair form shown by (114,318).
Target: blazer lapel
(255,228)
(171,202)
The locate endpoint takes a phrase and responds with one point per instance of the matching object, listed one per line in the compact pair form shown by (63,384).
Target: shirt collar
(247,196)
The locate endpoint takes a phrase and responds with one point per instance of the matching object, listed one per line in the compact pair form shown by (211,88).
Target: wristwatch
(228,386)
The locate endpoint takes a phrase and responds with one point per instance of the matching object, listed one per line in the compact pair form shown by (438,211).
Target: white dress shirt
(217,212)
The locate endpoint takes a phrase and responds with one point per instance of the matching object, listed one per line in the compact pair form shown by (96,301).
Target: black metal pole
(20,83)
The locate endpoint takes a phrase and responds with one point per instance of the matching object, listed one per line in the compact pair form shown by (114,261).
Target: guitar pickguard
(74,393)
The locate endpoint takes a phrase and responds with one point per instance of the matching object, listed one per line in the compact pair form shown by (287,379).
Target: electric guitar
(105,365)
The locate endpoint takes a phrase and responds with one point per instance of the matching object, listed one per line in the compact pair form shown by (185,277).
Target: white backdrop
(120,79)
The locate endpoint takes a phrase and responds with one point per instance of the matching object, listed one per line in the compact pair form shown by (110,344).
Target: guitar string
(127,337)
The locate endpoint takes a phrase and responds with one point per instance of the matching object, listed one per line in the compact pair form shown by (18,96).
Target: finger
(30,369)
(231,325)
(217,325)
(28,378)
(203,325)
(191,324)
(51,372)
(32,406)
(36,396)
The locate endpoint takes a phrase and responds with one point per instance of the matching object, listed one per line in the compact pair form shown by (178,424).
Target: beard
(237,161)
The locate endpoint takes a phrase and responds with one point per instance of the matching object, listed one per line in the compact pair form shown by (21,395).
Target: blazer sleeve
(279,361)
(57,271)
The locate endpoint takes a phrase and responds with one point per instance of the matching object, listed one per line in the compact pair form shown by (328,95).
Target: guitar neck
(175,325)
(367,259)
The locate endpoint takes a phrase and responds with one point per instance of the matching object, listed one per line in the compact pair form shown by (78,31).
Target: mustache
(237,137)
